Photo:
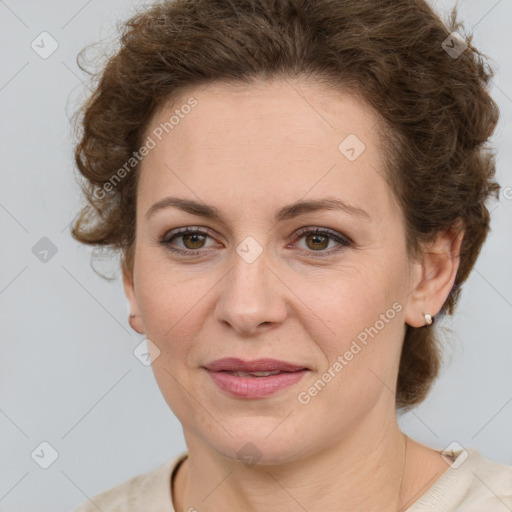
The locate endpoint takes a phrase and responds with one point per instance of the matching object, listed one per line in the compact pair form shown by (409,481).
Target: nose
(253,296)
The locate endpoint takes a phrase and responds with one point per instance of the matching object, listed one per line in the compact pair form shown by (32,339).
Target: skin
(250,150)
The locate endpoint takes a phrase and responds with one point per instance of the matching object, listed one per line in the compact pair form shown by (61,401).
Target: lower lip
(255,387)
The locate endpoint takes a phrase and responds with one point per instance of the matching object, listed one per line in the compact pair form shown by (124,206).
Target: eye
(316,239)
(192,237)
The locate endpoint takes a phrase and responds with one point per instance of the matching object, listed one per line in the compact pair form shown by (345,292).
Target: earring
(428,319)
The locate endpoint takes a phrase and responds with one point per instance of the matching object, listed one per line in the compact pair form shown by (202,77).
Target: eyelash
(343,241)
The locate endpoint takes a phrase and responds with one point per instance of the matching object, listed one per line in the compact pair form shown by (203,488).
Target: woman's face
(256,287)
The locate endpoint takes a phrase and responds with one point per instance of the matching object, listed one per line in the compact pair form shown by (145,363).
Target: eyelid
(185,230)
(341,238)
(171,235)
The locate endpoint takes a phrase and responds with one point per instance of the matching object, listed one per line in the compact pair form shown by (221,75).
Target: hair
(435,107)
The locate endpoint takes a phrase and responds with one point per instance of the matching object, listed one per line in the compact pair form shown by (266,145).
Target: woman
(296,189)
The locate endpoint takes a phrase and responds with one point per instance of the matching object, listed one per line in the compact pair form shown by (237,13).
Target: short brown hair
(390,53)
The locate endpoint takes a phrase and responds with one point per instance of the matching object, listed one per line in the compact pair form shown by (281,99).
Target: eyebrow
(285,213)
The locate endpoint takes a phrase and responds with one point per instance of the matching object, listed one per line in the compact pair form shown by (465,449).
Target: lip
(233,364)
(254,387)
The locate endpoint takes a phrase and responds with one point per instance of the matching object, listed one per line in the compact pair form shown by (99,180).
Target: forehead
(264,141)
(270,113)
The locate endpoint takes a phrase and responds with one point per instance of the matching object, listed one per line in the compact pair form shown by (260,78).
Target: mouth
(254,374)
(254,379)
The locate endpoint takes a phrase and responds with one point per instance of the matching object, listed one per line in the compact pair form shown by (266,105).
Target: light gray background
(68,374)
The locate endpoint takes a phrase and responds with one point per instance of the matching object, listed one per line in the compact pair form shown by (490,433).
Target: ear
(129,291)
(434,275)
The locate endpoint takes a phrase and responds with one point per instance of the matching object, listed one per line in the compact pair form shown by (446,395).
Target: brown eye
(317,241)
(193,241)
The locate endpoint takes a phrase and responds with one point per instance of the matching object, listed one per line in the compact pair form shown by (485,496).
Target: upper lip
(233,364)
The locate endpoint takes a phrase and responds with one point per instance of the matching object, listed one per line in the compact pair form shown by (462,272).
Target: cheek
(356,320)
(170,296)
(172,305)
(344,301)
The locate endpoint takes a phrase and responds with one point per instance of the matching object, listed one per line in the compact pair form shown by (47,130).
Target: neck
(363,471)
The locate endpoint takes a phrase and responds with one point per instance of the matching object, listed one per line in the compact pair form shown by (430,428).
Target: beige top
(476,484)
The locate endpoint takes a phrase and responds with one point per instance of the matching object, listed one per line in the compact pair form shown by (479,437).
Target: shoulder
(491,483)
(473,483)
(151,489)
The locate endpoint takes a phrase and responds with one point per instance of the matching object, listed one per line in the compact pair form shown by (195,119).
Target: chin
(259,444)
